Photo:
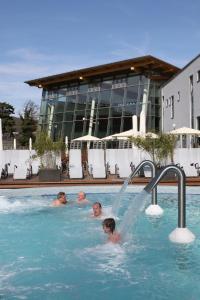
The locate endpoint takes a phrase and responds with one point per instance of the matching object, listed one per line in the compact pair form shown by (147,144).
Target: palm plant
(160,149)
(47,150)
(167,144)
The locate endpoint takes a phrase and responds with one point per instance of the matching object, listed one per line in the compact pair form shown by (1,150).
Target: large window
(191,102)
(172,107)
(66,110)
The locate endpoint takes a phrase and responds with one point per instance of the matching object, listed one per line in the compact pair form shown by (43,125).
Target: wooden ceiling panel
(141,64)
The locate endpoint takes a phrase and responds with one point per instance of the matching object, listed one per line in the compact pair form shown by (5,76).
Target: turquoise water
(60,253)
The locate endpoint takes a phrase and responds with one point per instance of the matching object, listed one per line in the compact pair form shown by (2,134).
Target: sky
(39,38)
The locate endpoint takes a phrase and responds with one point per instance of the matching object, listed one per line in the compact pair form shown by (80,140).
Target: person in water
(61,199)
(109,228)
(97,210)
(81,199)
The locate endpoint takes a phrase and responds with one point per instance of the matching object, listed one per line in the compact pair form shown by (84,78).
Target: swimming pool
(60,253)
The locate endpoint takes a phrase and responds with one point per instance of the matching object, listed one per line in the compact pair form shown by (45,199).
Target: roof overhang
(150,66)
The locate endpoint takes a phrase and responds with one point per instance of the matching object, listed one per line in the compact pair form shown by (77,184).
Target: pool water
(61,252)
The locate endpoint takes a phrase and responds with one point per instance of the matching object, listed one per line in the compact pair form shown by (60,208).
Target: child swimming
(109,228)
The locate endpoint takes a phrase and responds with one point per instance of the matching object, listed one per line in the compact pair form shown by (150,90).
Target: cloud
(124,49)
(26,54)
(17,93)
(175,60)
(21,69)
(24,64)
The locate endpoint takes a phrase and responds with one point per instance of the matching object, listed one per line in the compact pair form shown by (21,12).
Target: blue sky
(44,37)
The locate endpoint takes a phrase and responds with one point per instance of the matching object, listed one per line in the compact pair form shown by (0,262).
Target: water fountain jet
(154,209)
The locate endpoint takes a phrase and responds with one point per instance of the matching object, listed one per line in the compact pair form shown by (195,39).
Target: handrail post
(181,234)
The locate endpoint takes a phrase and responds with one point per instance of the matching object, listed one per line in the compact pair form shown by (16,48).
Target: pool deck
(9,183)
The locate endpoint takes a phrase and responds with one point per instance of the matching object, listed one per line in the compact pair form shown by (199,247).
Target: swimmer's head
(108,225)
(97,209)
(62,197)
(81,196)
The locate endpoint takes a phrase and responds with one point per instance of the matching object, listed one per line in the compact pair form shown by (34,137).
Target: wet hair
(98,203)
(110,223)
(60,194)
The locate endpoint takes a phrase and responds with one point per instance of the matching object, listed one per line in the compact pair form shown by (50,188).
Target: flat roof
(153,67)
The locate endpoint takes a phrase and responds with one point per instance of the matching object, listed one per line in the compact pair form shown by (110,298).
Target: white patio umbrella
(86,138)
(185,131)
(131,132)
(113,138)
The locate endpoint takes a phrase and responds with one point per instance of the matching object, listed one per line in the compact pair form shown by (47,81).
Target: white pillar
(30,144)
(91,117)
(135,127)
(135,123)
(50,119)
(1,136)
(143,112)
(66,145)
(14,144)
(91,121)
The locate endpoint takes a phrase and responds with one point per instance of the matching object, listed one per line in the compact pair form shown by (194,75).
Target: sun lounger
(97,162)
(16,157)
(35,166)
(185,157)
(111,160)
(123,162)
(75,164)
(20,172)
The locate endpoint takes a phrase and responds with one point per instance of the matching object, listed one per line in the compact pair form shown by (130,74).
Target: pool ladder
(181,234)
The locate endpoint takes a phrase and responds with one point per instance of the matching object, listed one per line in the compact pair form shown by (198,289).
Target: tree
(6,110)
(166,146)
(28,123)
(160,148)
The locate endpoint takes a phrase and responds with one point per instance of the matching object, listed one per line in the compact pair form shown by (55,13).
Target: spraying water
(135,207)
(117,202)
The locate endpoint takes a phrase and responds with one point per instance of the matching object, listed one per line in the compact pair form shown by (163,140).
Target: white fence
(119,161)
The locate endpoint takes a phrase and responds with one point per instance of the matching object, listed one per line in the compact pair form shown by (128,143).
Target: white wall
(182,108)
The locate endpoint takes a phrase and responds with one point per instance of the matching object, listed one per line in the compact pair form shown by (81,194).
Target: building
(102,100)
(181,98)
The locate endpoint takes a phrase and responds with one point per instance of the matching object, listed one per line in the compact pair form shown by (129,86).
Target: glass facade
(66,110)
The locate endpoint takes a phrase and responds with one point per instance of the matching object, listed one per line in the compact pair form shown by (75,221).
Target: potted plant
(48,150)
